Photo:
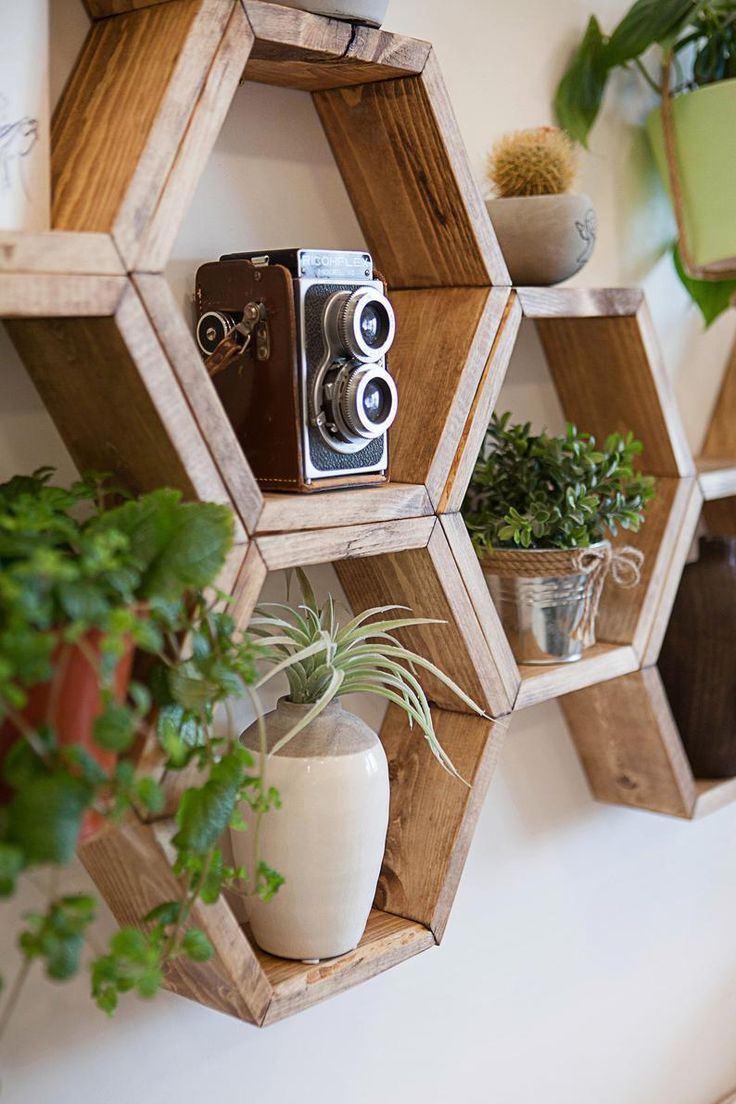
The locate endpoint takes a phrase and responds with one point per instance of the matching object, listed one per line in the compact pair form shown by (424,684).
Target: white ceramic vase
(370,12)
(544,239)
(328,837)
(25,178)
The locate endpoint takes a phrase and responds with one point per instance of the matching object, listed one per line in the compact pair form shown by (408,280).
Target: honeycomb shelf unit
(95,322)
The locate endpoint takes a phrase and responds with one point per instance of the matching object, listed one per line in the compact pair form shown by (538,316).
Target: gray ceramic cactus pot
(544,239)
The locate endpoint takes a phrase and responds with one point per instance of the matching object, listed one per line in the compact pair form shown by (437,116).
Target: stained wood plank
(38,295)
(444,338)
(720,440)
(433,816)
(631,616)
(100,9)
(483,405)
(116,402)
(406,170)
(207,410)
(479,596)
(717,477)
(629,746)
(123,115)
(248,586)
(388,940)
(130,868)
(296,49)
(678,539)
(427,581)
(566,302)
(388,502)
(712,795)
(59,251)
(207,117)
(345,543)
(599,663)
(609,376)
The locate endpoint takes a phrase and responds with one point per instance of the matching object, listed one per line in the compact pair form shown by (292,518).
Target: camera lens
(376,399)
(365,324)
(368,402)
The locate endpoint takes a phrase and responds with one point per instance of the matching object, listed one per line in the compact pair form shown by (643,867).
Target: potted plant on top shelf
(330,769)
(539,510)
(546,232)
(692,132)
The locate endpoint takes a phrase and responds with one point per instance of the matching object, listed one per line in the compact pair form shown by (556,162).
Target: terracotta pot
(544,239)
(370,12)
(70,703)
(698,659)
(327,839)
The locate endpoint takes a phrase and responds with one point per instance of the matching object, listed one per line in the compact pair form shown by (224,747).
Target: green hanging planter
(705,134)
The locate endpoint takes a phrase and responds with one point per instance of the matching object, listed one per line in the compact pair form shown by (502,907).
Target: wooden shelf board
(298,50)
(387,941)
(286,513)
(558,302)
(59,251)
(600,663)
(713,794)
(717,477)
(54,295)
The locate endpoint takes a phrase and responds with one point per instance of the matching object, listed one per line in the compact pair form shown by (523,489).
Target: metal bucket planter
(547,599)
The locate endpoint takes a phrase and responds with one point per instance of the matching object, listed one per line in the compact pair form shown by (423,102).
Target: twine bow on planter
(597,562)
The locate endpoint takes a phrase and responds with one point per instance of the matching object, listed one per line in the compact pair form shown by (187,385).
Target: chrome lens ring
(366,324)
(369,402)
(212,327)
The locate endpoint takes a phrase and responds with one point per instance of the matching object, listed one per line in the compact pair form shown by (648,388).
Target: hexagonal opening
(592,358)
(626,732)
(431,814)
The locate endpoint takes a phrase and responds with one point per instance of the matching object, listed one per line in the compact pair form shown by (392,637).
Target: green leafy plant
(539,491)
(696,37)
(77,574)
(324,660)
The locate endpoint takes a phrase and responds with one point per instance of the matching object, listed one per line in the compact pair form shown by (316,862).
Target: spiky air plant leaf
(323,660)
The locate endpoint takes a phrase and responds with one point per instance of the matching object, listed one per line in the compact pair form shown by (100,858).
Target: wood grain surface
(116,402)
(428,582)
(59,251)
(398,148)
(345,543)
(444,338)
(299,50)
(131,869)
(388,940)
(629,745)
(389,502)
(432,815)
(123,115)
(610,378)
(37,295)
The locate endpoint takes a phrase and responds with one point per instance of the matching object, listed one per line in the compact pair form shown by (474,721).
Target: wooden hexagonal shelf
(131,135)
(606,369)
(431,818)
(624,730)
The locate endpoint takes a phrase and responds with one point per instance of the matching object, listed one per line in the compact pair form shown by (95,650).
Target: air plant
(323,660)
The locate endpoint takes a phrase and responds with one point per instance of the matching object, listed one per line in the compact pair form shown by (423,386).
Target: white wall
(591,953)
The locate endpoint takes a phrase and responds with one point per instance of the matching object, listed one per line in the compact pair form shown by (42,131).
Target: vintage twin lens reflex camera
(305,382)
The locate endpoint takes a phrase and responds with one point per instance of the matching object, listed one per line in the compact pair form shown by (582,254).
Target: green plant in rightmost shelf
(541,491)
